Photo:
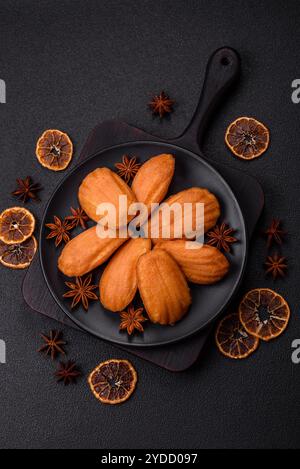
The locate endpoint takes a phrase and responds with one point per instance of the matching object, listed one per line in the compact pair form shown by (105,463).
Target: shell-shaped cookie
(103,186)
(203,265)
(163,287)
(152,180)
(118,283)
(186,201)
(86,251)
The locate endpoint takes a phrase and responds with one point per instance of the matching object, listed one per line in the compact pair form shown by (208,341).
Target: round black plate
(208,301)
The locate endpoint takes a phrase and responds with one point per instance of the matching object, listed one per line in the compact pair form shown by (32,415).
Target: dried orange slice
(247,138)
(264,313)
(113,381)
(16,225)
(233,340)
(54,150)
(18,256)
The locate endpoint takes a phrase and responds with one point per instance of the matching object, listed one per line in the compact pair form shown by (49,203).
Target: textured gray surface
(71,64)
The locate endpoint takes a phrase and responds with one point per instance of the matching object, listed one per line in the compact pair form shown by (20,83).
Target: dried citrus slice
(113,381)
(16,225)
(18,256)
(233,340)
(54,150)
(247,138)
(264,313)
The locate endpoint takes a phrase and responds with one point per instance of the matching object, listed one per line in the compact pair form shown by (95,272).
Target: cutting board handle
(222,70)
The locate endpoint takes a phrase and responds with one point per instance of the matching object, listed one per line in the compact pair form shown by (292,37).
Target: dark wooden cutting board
(220,74)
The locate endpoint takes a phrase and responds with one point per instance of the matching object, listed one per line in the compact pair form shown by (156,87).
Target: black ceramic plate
(191,170)
(208,301)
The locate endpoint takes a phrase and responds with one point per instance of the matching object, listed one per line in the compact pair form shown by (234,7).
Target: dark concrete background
(72,64)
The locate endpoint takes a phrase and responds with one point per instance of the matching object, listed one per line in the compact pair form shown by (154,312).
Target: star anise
(53,344)
(59,230)
(81,290)
(26,189)
(161,104)
(276,265)
(274,233)
(78,217)
(128,168)
(67,372)
(221,237)
(132,319)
